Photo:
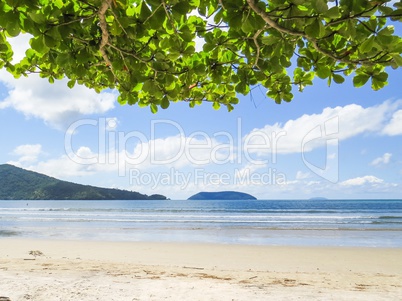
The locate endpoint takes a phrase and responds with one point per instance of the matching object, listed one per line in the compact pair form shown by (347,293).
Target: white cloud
(311,131)
(395,125)
(179,151)
(19,45)
(28,153)
(383,160)
(258,180)
(302,175)
(55,103)
(249,169)
(366,186)
(161,153)
(68,166)
(359,181)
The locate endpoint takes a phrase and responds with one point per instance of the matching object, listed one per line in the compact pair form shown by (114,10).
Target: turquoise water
(373,223)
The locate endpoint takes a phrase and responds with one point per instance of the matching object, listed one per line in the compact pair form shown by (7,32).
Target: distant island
(20,184)
(319,198)
(222,195)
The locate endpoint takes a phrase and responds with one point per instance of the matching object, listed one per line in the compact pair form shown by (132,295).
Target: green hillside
(20,184)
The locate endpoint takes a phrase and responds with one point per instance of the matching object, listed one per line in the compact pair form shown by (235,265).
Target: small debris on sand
(35,254)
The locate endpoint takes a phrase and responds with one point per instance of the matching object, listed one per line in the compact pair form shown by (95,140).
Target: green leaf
(165,103)
(236,21)
(377,84)
(122,100)
(247,26)
(302,8)
(148,86)
(10,20)
(320,6)
(269,40)
(278,99)
(71,83)
(58,3)
(130,11)
(181,7)
(382,76)
(158,18)
(37,17)
(385,9)
(145,12)
(387,31)
(38,44)
(242,88)
(316,29)
(154,108)
(323,72)
(398,59)
(13,29)
(358,6)
(50,41)
(360,80)
(287,97)
(229,107)
(339,79)
(367,45)
(333,13)
(63,58)
(216,105)
(218,16)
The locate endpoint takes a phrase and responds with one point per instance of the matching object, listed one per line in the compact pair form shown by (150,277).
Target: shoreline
(62,269)
(344,238)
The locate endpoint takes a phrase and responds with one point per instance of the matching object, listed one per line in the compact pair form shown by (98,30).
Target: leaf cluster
(158,51)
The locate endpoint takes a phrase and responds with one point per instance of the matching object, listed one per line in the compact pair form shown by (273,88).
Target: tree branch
(255,37)
(263,14)
(80,19)
(105,33)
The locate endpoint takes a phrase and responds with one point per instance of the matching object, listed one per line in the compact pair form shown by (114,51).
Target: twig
(194,268)
(221,4)
(169,17)
(118,22)
(153,12)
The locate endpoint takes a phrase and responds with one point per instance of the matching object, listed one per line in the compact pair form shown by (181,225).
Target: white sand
(70,270)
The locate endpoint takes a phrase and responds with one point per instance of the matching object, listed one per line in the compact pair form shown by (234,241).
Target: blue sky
(335,142)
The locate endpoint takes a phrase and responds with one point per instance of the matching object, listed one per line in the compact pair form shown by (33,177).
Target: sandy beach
(91,270)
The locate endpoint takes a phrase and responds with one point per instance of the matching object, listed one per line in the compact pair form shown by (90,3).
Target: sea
(352,223)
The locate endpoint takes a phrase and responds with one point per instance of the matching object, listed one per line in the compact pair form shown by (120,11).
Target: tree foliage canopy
(157,51)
